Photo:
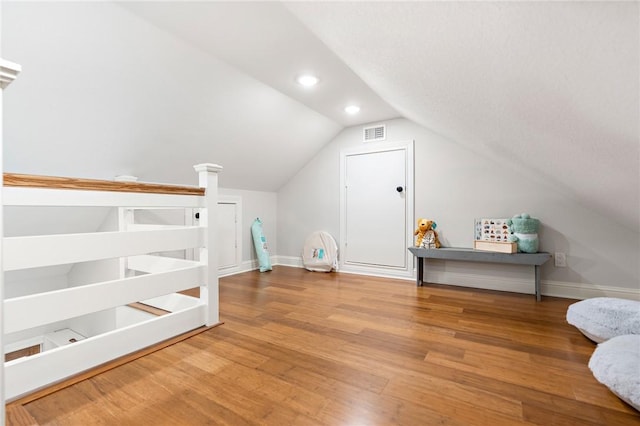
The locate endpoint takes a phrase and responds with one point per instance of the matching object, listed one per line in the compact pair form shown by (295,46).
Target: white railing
(139,273)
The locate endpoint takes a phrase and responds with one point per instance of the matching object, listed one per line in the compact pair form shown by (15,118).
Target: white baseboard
(381,274)
(401,274)
(517,282)
(251,265)
(586,291)
(225,272)
(296,262)
(293,261)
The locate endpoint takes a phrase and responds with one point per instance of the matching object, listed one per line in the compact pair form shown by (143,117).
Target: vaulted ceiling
(552,87)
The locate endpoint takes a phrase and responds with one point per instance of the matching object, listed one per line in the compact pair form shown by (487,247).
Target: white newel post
(8,72)
(208,179)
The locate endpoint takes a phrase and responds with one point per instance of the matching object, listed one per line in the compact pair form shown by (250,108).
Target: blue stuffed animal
(524,231)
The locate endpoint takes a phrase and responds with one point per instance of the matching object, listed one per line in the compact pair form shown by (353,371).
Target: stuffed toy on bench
(426,235)
(524,232)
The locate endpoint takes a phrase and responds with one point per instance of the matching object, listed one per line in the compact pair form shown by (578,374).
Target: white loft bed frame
(134,245)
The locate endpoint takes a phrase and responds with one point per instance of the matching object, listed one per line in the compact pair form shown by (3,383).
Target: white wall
(453,186)
(129,98)
(100,270)
(256,204)
(19,283)
(35,280)
(106,93)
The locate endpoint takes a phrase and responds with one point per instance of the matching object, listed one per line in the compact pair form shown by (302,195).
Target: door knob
(399,189)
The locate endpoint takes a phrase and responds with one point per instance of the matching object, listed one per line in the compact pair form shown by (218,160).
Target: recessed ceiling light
(352,109)
(308,80)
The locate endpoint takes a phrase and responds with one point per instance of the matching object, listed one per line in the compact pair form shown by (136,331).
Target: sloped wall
(551,86)
(453,186)
(105,93)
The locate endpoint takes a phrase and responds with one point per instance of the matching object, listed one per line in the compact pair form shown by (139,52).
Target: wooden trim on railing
(54,182)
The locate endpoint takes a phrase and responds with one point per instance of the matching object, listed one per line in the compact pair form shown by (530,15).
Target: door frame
(237,200)
(370,148)
(190,220)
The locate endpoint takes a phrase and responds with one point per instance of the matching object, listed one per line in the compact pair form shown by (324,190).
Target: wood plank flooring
(303,348)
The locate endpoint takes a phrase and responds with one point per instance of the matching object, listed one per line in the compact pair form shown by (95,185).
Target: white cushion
(616,364)
(602,318)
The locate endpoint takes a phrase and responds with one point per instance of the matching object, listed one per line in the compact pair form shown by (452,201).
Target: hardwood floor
(303,348)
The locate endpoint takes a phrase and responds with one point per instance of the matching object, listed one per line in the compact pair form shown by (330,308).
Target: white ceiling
(104,92)
(264,40)
(551,87)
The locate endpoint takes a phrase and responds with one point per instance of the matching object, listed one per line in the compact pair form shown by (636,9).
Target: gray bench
(471,255)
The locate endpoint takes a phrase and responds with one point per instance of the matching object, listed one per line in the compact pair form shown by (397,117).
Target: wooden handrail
(54,182)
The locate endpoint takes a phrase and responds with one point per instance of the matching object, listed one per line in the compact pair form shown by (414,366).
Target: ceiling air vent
(375,133)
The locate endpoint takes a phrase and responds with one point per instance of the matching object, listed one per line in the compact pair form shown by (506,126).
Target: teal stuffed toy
(524,231)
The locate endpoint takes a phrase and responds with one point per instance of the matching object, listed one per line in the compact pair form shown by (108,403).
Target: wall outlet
(560,259)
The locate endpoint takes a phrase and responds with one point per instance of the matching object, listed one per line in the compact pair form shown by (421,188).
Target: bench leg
(537,274)
(420,271)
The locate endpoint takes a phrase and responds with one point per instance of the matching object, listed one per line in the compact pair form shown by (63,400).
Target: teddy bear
(427,236)
(524,231)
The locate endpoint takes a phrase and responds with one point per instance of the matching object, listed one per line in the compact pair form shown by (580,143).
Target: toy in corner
(427,237)
(524,231)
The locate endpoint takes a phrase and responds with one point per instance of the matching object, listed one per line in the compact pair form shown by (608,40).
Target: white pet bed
(616,364)
(603,318)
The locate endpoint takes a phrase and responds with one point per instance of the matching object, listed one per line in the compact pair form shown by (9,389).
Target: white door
(377,208)
(229,235)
